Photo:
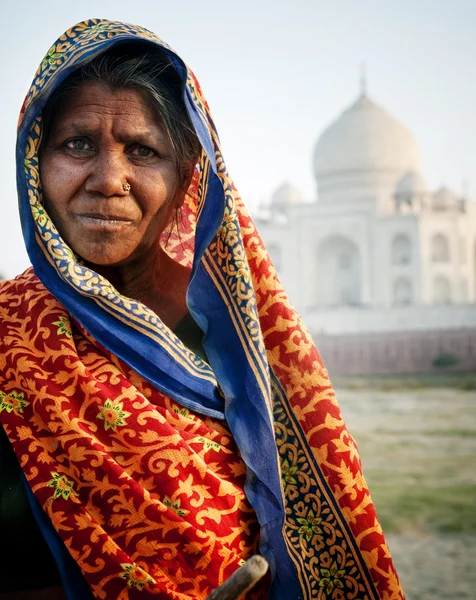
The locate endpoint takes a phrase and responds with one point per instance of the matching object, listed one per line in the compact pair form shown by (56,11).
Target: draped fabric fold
(138,450)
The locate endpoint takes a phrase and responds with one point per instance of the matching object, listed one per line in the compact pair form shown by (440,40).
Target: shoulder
(25,306)
(18,295)
(20,286)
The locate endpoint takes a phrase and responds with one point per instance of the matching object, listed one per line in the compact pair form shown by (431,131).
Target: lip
(101,221)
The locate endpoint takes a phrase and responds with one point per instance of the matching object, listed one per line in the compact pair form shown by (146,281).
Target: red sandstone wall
(395,353)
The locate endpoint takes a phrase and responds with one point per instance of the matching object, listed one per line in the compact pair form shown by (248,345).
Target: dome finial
(363,79)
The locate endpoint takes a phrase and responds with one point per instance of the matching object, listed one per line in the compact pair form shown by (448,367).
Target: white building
(378,250)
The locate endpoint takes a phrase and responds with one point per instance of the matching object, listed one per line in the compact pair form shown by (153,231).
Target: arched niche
(441,290)
(401,250)
(402,291)
(440,248)
(338,272)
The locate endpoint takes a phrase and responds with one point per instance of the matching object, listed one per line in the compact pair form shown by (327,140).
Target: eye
(141,151)
(79,145)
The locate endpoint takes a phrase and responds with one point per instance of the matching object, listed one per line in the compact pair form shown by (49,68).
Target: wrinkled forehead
(93,106)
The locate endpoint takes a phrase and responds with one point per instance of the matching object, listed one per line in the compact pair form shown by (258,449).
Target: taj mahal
(377,251)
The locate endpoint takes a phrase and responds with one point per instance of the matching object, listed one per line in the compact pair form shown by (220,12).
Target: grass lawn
(418,449)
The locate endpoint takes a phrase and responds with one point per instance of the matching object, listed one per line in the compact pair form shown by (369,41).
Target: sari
(161,472)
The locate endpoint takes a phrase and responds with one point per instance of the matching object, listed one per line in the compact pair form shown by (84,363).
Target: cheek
(158,212)
(58,182)
(159,196)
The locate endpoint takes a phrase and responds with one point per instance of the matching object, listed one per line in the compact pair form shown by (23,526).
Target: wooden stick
(242,580)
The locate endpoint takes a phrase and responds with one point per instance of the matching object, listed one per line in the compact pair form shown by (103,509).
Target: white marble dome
(366,138)
(285,195)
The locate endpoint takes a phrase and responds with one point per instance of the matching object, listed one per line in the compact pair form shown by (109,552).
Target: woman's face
(99,141)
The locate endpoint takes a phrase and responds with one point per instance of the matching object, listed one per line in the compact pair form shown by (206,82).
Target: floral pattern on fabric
(175,506)
(64,327)
(14,401)
(157,492)
(113,415)
(63,487)
(135,576)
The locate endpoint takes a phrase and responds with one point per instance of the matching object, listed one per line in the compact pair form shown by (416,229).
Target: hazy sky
(275,75)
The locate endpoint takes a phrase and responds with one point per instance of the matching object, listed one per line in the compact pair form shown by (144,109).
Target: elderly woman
(165,413)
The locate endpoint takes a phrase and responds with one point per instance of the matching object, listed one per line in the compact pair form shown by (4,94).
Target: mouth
(102,221)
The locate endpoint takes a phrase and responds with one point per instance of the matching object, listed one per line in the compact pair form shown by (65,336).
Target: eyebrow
(155,133)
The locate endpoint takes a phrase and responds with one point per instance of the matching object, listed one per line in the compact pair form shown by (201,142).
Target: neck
(156,280)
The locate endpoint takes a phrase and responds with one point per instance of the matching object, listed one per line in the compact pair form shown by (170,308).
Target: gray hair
(136,66)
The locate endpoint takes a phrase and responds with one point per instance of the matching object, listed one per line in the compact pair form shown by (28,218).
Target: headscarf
(264,376)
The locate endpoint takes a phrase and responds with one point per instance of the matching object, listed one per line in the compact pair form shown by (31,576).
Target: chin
(103,258)
(104,262)
(104,255)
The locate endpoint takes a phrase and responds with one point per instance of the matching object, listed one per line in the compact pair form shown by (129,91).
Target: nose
(108,175)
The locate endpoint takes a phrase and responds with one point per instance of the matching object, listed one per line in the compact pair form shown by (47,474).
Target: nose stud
(126,187)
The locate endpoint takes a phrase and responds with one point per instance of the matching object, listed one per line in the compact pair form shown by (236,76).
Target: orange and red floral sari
(160,472)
